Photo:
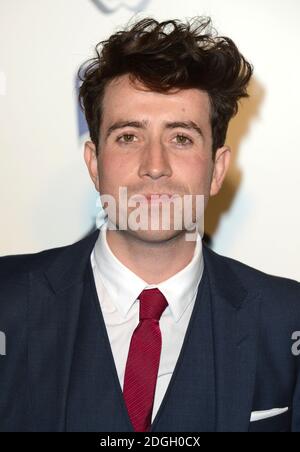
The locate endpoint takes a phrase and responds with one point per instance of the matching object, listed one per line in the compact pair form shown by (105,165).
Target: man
(143,329)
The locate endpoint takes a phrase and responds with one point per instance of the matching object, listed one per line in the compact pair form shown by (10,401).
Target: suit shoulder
(16,267)
(268,284)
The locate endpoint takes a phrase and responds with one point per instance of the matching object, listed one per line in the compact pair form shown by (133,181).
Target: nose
(155,162)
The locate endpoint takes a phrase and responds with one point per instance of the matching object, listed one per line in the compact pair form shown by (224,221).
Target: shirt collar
(124,286)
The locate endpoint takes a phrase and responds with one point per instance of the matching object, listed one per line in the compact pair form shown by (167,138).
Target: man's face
(155,143)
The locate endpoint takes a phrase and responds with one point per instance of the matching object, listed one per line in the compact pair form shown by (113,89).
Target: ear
(90,157)
(221,165)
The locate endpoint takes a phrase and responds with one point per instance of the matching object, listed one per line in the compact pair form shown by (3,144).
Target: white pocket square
(260,415)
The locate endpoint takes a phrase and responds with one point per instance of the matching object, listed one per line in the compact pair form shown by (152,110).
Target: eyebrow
(189,125)
(121,124)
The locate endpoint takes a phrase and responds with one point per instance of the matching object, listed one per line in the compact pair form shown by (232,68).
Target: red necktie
(143,360)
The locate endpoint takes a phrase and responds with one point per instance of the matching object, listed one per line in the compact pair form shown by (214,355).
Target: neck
(153,261)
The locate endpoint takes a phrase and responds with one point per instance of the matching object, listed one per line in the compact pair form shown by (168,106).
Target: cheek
(114,172)
(196,174)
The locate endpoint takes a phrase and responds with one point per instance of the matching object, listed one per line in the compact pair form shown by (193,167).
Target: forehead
(124,98)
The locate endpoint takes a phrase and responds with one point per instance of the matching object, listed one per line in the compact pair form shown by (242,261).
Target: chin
(155,236)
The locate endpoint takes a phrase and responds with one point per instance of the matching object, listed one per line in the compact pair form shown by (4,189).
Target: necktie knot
(152,304)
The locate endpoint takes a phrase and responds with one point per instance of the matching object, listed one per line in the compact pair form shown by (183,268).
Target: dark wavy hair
(165,55)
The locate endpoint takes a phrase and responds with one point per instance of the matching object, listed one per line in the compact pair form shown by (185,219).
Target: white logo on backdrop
(110,6)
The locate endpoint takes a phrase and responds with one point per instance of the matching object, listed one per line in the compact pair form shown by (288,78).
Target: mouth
(155,197)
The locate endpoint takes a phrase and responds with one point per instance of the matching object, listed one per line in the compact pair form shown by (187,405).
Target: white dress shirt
(118,289)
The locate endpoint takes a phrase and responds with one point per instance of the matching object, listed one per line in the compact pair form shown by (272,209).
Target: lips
(155,197)
(158,195)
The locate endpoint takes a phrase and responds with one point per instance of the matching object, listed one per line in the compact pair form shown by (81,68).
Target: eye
(183,140)
(126,138)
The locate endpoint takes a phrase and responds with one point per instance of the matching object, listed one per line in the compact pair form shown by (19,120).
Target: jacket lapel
(235,325)
(189,402)
(95,397)
(54,305)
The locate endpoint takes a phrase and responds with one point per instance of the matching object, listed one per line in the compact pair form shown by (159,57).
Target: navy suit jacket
(249,363)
